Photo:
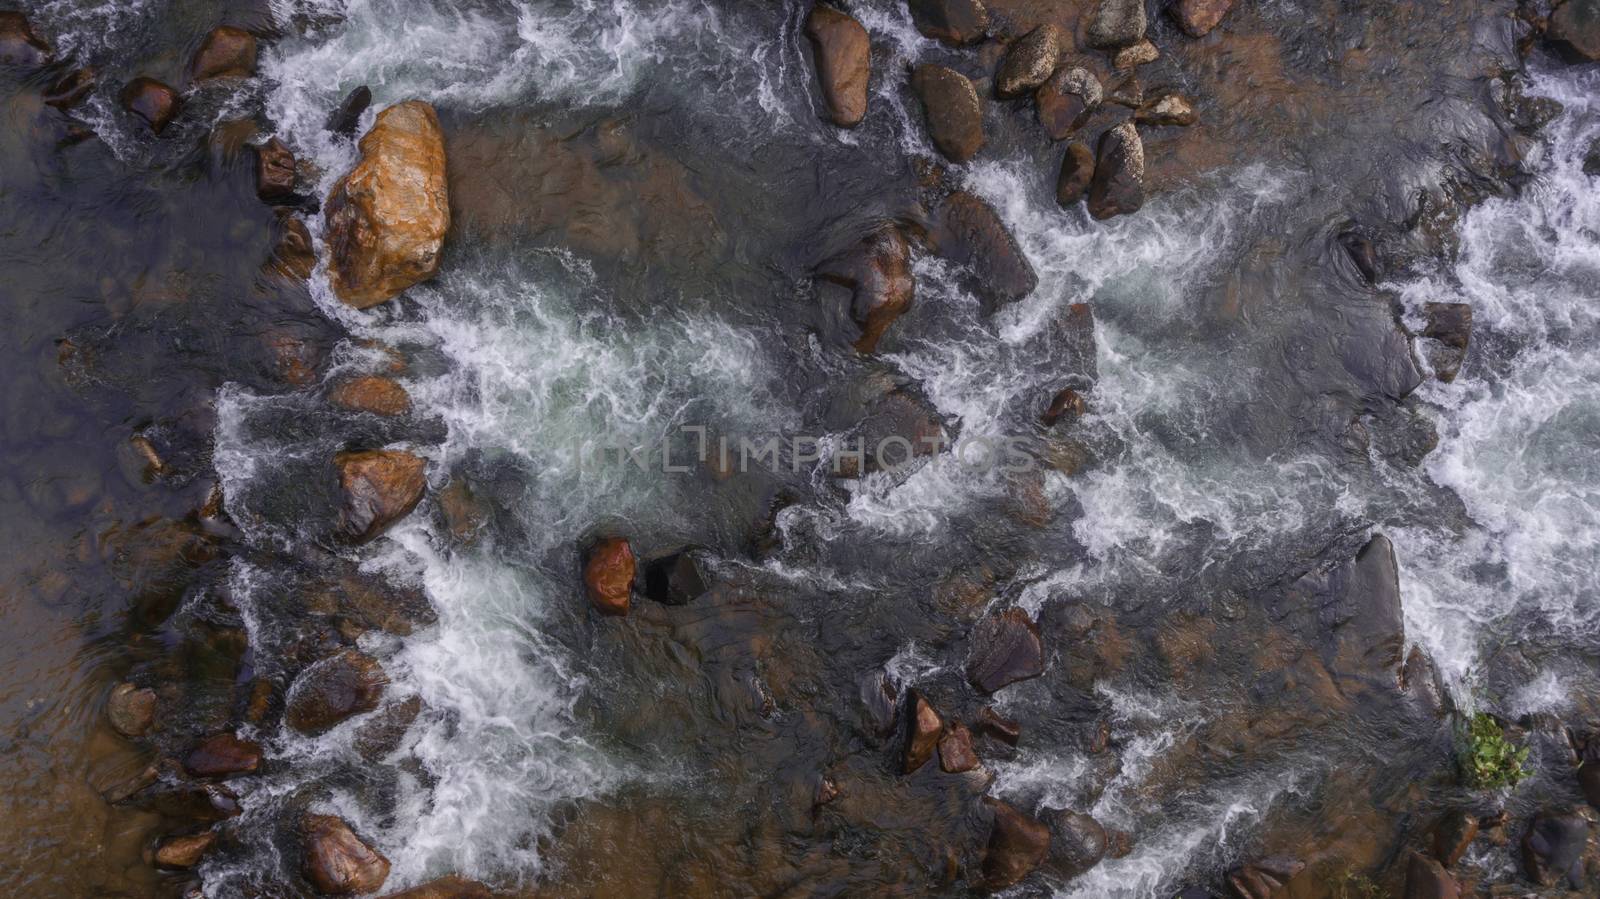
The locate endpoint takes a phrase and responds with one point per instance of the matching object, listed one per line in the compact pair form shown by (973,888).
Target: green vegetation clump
(1488,760)
(1350,885)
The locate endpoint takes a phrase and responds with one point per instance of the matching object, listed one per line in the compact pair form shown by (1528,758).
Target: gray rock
(1029,63)
(1117,23)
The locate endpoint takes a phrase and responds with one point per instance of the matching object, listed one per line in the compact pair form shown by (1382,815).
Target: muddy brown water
(633,253)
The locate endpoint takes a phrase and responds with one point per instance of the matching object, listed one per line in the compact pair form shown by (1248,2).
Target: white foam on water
(83,29)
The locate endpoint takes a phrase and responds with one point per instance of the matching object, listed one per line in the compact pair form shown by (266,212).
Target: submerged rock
(1352,613)
(452,887)
(1067,405)
(1017,844)
(182,852)
(380,487)
(1118,184)
(1552,849)
(387,219)
(1264,878)
(969,232)
(955,750)
(1451,325)
(1077,171)
(344,120)
(1452,835)
(1198,17)
(878,272)
(844,63)
(608,575)
(1078,842)
(227,52)
(70,89)
(1065,101)
(952,21)
(132,710)
(332,690)
(1117,23)
(154,102)
(1133,55)
(1167,109)
(923,729)
(998,726)
(1574,30)
(952,109)
(337,862)
(676,579)
(1005,649)
(1427,879)
(275,170)
(223,755)
(1029,63)
(19,46)
(376,394)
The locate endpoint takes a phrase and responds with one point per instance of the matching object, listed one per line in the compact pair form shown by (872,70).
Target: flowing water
(641,191)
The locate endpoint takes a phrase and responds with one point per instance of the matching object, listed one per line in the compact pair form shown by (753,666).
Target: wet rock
(1588,749)
(376,394)
(1118,184)
(1591,161)
(969,232)
(1168,109)
(608,576)
(951,107)
(998,726)
(1077,171)
(379,487)
(275,170)
(1361,252)
(1264,879)
(132,710)
(386,219)
(878,272)
(465,513)
(223,755)
(1352,613)
(1068,405)
(1119,843)
(1117,23)
(1427,879)
(333,690)
(878,697)
(1128,92)
(891,425)
(1452,835)
(923,729)
(152,101)
(452,887)
(675,580)
(227,52)
(1198,17)
(1077,843)
(183,852)
(1065,101)
(1133,55)
(1029,63)
(1552,849)
(337,862)
(844,63)
(1574,30)
(344,120)
(71,88)
(19,46)
(383,733)
(1017,844)
(293,257)
(952,21)
(1451,325)
(1005,649)
(955,750)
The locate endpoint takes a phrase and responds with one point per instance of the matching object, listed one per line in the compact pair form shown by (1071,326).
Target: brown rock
(1119,843)
(922,733)
(337,862)
(1065,101)
(131,709)
(1141,53)
(1005,649)
(1575,30)
(223,755)
(1265,878)
(1553,847)
(1077,171)
(179,853)
(275,170)
(878,271)
(952,21)
(451,887)
(293,258)
(19,46)
(1067,405)
(1117,23)
(844,63)
(1127,92)
(376,394)
(827,791)
(955,750)
(608,576)
(1077,843)
(969,232)
(1017,844)
(1029,63)
(227,52)
(1118,184)
(380,488)
(386,219)
(345,119)
(952,109)
(998,726)
(1198,17)
(1427,879)
(1167,109)
(383,732)
(71,88)
(152,101)
(332,690)
(465,513)
(1452,835)
(1451,325)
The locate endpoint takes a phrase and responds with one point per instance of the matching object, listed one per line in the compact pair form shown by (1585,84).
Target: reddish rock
(1005,649)
(71,88)
(922,733)
(1029,63)
(223,755)
(998,726)
(608,576)
(1198,17)
(1427,879)
(451,887)
(1068,405)
(1017,844)
(131,709)
(275,170)
(180,853)
(371,393)
(380,487)
(1139,54)
(969,232)
(844,63)
(1452,835)
(19,46)
(1077,171)
(952,21)
(1265,878)
(1119,843)
(878,272)
(952,110)
(1065,101)
(332,690)
(339,863)
(465,513)
(1118,184)
(1575,30)
(827,791)
(294,257)
(955,750)
(227,52)
(1167,109)
(152,101)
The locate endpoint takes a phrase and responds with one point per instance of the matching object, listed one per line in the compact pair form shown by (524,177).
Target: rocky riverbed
(1086,448)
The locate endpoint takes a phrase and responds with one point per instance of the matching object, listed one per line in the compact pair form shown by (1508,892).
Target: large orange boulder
(339,863)
(380,487)
(844,63)
(608,575)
